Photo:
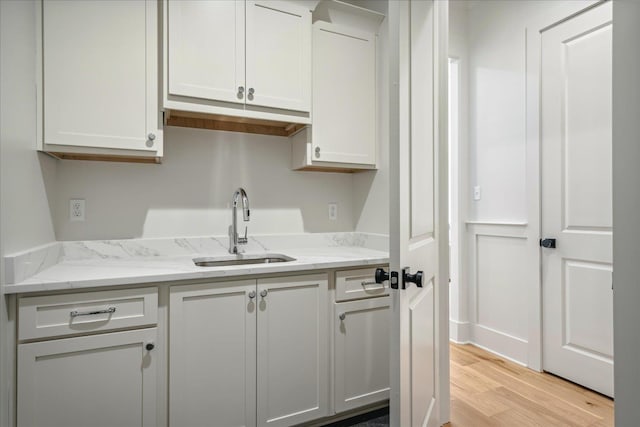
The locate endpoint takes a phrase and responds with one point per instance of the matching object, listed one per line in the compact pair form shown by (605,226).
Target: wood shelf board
(105,158)
(231,123)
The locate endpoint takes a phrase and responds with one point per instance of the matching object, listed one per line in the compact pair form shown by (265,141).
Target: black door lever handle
(548,243)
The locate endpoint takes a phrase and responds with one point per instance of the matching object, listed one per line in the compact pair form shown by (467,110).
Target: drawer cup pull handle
(91,313)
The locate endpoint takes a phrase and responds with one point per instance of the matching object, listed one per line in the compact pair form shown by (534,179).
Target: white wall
(25,219)
(190,192)
(626,205)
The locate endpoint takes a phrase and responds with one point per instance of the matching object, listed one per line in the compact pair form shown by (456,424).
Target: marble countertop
(82,265)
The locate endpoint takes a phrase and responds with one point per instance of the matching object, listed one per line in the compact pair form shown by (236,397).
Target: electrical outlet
(76,210)
(333,211)
(477,194)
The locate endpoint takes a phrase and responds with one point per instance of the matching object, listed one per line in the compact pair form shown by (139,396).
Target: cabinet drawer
(356,284)
(52,315)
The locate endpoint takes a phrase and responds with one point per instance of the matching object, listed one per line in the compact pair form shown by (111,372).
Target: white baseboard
(459,332)
(504,345)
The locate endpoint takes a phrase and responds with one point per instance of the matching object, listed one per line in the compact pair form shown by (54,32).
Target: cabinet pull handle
(342,316)
(250,95)
(252,294)
(240,92)
(76,313)
(366,283)
(150,346)
(263,293)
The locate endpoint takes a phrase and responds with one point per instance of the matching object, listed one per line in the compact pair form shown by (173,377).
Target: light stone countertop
(84,265)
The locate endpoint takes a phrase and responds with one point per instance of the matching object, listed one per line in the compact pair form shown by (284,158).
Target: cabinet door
(344,95)
(99,74)
(361,334)
(212,354)
(206,49)
(278,55)
(292,350)
(100,380)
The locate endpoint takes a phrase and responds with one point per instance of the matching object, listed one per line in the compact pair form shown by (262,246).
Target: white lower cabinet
(99,380)
(246,353)
(361,339)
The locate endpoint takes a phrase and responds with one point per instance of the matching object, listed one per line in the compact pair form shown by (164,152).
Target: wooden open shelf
(230,123)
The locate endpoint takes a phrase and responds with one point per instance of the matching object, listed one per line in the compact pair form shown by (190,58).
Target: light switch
(477,195)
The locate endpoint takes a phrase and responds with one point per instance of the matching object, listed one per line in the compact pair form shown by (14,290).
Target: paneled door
(206,49)
(278,48)
(99,380)
(293,350)
(418,212)
(577,200)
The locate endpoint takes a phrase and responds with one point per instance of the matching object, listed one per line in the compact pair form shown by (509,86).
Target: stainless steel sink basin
(221,261)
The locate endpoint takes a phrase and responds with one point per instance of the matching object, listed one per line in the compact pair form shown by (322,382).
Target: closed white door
(278,49)
(101,380)
(212,354)
(293,350)
(577,200)
(344,94)
(100,74)
(361,336)
(418,212)
(206,49)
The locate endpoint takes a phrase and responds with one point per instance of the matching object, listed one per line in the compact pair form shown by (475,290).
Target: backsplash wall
(189,194)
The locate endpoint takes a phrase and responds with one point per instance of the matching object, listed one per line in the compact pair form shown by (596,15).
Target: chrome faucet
(234,239)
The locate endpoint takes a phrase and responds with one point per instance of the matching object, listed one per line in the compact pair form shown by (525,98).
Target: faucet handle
(243,240)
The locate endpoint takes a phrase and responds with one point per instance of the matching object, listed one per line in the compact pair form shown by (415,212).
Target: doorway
(499,293)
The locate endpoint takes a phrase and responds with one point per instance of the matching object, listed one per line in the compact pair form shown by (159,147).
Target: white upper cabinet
(238,58)
(344,130)
(278,55)
(206,49)
(97,91)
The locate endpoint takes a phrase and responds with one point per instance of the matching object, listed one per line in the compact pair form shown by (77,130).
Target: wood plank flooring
(487,390)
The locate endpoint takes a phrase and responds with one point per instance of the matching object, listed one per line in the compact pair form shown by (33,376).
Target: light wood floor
(487,390)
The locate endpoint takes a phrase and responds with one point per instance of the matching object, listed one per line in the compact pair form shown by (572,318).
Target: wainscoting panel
(499,288)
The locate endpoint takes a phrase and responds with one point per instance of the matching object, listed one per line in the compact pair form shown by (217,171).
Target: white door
(576,199)
(278,55)
(293,350)
(418,208)
(206,49)
(212,354)
(100,380)
(100,74)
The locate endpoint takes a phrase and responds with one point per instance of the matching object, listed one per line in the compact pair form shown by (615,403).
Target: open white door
(418,212)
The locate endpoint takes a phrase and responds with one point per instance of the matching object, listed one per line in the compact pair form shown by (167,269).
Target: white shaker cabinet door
(278,53)
(101,381)
(362,351)
(292,350)
(344,95)
(212,354)
(100,74)
(206,49)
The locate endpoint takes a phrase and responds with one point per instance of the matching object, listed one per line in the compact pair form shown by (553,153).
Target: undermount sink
(241,260)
